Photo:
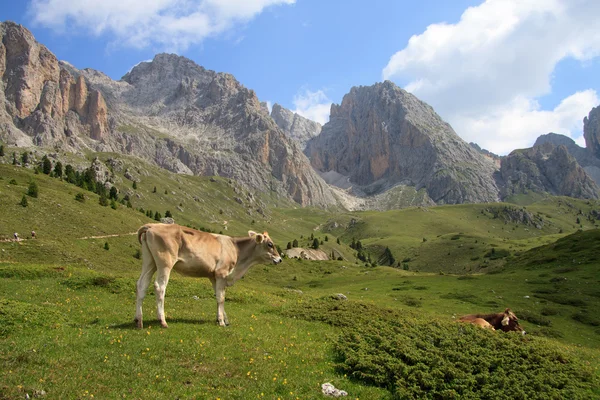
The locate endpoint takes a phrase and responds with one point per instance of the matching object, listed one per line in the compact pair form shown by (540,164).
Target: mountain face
(382,136)
(585,156)
(591,131)
(546,167)
(169,111)
(294,125)
(43,103)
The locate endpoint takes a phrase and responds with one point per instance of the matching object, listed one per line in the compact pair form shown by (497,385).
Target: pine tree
(315,244)
(168,214)
(1,150)
(25,158)
(106,246)
(113,194)
(134,185)
(24,201)
(46,165)
(70,174)
(58,169)
(289,245)
(295,243)
(338,240)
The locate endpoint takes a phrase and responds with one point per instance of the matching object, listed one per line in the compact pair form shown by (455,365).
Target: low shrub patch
(415,357)
(585,317)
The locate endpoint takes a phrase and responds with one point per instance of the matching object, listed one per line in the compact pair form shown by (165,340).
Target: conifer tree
(58,169)
(46,165)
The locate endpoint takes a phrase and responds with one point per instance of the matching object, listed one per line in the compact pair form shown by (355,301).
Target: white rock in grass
(329,390)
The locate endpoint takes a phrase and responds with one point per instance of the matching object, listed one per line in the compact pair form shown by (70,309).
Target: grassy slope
(457,238)
(74,317)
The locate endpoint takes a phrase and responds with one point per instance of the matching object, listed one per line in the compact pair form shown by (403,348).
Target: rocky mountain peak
(548,168)
(381,136)
(294,125)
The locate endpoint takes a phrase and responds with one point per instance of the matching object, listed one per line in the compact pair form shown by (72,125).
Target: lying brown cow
(482,323)
(220,258)
(506,321)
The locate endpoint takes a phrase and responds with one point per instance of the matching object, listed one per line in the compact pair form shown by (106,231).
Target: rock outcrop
(584,156)
(591,131)
(44,104)
(545,168)
(382,136)
(294,125)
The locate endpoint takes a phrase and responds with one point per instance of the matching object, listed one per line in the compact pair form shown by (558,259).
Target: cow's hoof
(164,324)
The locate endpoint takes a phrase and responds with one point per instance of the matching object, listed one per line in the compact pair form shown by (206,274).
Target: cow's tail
(142,232)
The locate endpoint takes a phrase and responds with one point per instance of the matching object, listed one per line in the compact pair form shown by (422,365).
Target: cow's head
(510,322)
(265,249)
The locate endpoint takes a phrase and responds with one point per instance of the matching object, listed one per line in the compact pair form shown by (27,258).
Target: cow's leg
(148,269)
(219,284)
(160,288)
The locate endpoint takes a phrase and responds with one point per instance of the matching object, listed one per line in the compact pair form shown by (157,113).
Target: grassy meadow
(67,298)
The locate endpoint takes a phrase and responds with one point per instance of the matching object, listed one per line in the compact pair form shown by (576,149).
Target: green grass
(67,304)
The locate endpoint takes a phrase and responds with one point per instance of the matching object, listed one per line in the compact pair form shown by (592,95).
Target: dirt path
(107,236)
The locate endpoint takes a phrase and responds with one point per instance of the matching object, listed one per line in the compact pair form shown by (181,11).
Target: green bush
(417,357)
(32,190)
(103,201)
(80,197)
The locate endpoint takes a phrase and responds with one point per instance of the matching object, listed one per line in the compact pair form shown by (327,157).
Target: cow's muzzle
(277,260)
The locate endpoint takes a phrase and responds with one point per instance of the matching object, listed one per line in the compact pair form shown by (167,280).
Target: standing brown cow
(222,259)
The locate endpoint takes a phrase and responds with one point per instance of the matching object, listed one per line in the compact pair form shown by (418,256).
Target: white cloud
(313,105)
(518,124)
(170,24)
(495,62)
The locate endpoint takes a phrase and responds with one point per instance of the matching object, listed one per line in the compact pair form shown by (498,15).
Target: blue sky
(501,72)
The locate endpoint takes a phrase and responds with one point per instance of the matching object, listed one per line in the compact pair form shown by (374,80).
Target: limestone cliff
(44,104)
(591,131)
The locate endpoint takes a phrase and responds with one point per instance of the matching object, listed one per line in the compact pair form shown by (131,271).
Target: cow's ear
(251,233)
(505,320)
(257,236)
